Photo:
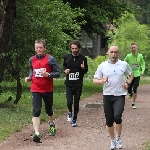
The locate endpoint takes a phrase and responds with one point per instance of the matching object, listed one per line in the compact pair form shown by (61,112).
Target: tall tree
(144,10)
(130,30)
(7,15)
(98,13)
(40,19)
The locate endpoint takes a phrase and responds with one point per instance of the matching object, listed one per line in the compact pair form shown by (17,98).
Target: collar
(40,57)
(75,55)
(112,63)
(136,54)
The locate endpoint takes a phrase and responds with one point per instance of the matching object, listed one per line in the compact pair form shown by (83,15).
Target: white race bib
(38,72)
(74,76)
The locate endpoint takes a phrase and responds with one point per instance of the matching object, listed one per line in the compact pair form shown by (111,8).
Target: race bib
(134,66)
(74,76)
(38,72)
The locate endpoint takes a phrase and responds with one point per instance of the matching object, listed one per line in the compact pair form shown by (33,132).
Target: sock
(37,133)
(51,123)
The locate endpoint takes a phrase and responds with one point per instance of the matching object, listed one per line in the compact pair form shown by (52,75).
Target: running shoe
(130,95)
(133,106)
(74,124)
(36,138)
(52,130)
(69,116)
(119,143)
(112,145)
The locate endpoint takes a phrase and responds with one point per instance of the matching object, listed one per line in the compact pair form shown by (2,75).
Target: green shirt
(136,63)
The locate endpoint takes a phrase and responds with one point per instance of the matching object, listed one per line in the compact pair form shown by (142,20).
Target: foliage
(129,30)
(99,13)
(143,8)
(42,19)
(93,64)
(14,117)
(147,146)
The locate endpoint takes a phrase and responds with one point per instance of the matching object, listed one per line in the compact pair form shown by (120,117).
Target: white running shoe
(119,143)
(69,117)
(74,124)
(112,145)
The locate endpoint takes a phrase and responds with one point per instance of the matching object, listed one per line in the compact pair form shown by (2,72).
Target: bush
(93,64)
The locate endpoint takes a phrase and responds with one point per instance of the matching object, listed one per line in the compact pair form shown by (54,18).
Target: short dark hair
(75,42)
(133,43)
(41,41)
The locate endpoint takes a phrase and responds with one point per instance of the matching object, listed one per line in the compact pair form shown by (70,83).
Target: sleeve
(64,64)
(85,66)
(142,64)
(55,73)
(98,73)
(128,70)
(126,58)
(30,68)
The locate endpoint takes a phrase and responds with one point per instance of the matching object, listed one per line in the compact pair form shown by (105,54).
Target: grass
(14,117)
(147,146)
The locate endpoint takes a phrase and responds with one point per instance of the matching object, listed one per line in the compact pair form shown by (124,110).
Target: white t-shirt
(116,74)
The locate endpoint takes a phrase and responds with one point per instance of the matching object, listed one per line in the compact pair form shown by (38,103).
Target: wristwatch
(128,83)
(49,75)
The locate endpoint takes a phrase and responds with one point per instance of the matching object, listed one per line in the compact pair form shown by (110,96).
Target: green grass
(147,146)
(14,117)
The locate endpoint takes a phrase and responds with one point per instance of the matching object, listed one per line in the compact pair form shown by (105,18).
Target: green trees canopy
(144,11)
(39,19)
(99,13)
(44,19)
(129,31)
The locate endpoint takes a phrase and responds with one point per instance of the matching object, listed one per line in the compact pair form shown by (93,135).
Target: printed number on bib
(74,76)
(38,72)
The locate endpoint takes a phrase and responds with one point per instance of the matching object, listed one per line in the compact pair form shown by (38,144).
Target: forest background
(58,22)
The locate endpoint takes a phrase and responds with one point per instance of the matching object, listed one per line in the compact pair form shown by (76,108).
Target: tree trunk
(19,91)
(15,73)
(7,14)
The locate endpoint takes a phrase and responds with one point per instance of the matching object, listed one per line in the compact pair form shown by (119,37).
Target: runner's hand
(82,65)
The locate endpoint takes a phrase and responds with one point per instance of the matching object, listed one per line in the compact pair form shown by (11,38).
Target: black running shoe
(36,138)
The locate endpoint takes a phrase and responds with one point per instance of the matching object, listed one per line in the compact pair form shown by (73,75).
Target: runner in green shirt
(137,64)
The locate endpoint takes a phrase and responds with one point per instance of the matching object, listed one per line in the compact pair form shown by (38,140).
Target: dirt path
(90,133)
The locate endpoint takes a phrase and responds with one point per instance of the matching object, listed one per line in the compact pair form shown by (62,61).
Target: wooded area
(22,22)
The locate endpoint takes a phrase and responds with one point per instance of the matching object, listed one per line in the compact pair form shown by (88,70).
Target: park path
(90,134)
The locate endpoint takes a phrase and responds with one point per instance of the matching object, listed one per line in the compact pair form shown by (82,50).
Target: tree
(99,13)
(143,9)
(130,30)
(40,19)
(7,15)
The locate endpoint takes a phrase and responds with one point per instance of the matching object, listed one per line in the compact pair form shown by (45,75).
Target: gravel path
(90,134)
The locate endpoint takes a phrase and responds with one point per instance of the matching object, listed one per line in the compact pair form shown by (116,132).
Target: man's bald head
(114,48)
(113,53)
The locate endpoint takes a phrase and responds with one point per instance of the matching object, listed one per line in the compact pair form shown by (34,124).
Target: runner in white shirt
(113,74)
